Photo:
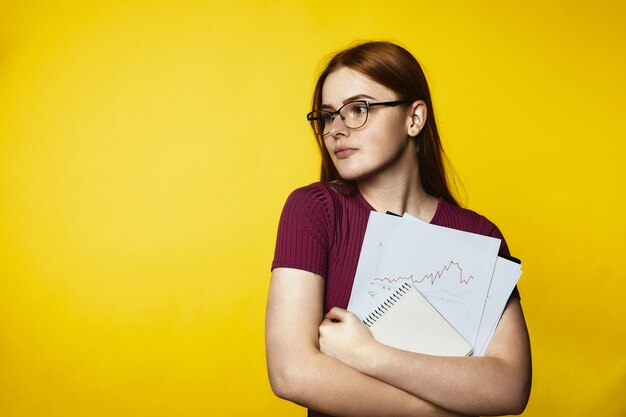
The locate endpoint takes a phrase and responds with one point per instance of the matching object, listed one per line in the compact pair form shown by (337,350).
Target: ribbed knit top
(322,227)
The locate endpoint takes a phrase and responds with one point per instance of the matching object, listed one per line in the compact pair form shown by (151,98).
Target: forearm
(496,384)
(299,372)
(472,385)
(324,384)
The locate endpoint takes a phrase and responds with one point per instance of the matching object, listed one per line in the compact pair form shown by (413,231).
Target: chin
(356,172)
(348,174)
(350,171)
(352,176)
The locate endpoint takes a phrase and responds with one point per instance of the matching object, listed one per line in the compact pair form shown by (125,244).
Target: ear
(417,119)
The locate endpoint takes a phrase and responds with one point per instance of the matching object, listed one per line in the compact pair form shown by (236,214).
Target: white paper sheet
(363,299)
(505,276)
(452,269)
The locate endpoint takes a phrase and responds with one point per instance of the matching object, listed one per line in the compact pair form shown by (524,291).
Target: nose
(338,127)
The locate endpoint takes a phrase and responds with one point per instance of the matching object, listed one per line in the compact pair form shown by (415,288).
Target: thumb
(337,314)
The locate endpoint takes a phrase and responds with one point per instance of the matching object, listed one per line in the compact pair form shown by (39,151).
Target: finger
(326,322)
(337,314)
(326,329)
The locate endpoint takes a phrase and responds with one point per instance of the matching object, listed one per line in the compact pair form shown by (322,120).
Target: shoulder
(309,200)
(315,192)
(455,217)
(322,196)
(310,207)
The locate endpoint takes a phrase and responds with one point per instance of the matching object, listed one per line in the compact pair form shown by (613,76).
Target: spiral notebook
(407,321)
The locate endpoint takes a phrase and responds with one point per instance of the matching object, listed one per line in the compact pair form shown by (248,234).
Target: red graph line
(431,277)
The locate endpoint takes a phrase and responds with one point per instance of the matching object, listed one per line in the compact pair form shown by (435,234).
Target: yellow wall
(147,147)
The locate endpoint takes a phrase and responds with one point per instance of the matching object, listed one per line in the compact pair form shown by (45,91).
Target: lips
(344,152)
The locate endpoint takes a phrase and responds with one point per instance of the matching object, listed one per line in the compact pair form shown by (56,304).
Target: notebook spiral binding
(386,305)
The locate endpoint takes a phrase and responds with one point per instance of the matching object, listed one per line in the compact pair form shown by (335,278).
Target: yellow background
(147,147)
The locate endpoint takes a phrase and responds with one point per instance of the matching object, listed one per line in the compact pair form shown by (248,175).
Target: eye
(357,109)
(326,118)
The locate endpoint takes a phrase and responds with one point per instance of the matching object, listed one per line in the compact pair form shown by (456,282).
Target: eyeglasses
(353,114)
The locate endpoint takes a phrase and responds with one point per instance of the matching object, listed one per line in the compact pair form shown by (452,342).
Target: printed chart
(452,269)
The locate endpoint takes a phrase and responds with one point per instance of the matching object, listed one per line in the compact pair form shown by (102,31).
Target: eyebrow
(349,99)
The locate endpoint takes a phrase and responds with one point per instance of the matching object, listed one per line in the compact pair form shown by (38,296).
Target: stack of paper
(459,273)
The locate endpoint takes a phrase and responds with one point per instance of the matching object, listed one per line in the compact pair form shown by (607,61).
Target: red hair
(394,67)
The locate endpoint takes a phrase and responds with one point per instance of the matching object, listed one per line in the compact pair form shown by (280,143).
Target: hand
(344,336)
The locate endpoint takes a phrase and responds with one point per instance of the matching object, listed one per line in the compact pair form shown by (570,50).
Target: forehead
(346,83)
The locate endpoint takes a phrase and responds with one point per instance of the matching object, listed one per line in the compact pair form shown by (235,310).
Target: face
(385,144)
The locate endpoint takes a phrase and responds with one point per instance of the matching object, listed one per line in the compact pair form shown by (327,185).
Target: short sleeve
(304,231)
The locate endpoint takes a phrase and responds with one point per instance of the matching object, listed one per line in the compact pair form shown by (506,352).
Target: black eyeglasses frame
(310,116)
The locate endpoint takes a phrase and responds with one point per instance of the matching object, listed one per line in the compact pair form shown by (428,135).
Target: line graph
(451,268)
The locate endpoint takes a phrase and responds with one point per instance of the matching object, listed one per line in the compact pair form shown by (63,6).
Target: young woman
(373,118)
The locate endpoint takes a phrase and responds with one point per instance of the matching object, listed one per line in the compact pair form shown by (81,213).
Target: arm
(299,372)
(496,384)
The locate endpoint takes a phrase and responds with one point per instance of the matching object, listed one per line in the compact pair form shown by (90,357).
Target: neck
(399,192)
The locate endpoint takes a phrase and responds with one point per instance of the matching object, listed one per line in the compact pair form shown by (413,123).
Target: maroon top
(322,227)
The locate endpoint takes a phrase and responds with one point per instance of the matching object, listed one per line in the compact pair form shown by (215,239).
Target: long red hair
(397,69)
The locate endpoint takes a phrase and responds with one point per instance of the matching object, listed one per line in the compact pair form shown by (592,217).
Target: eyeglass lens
(353,115)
